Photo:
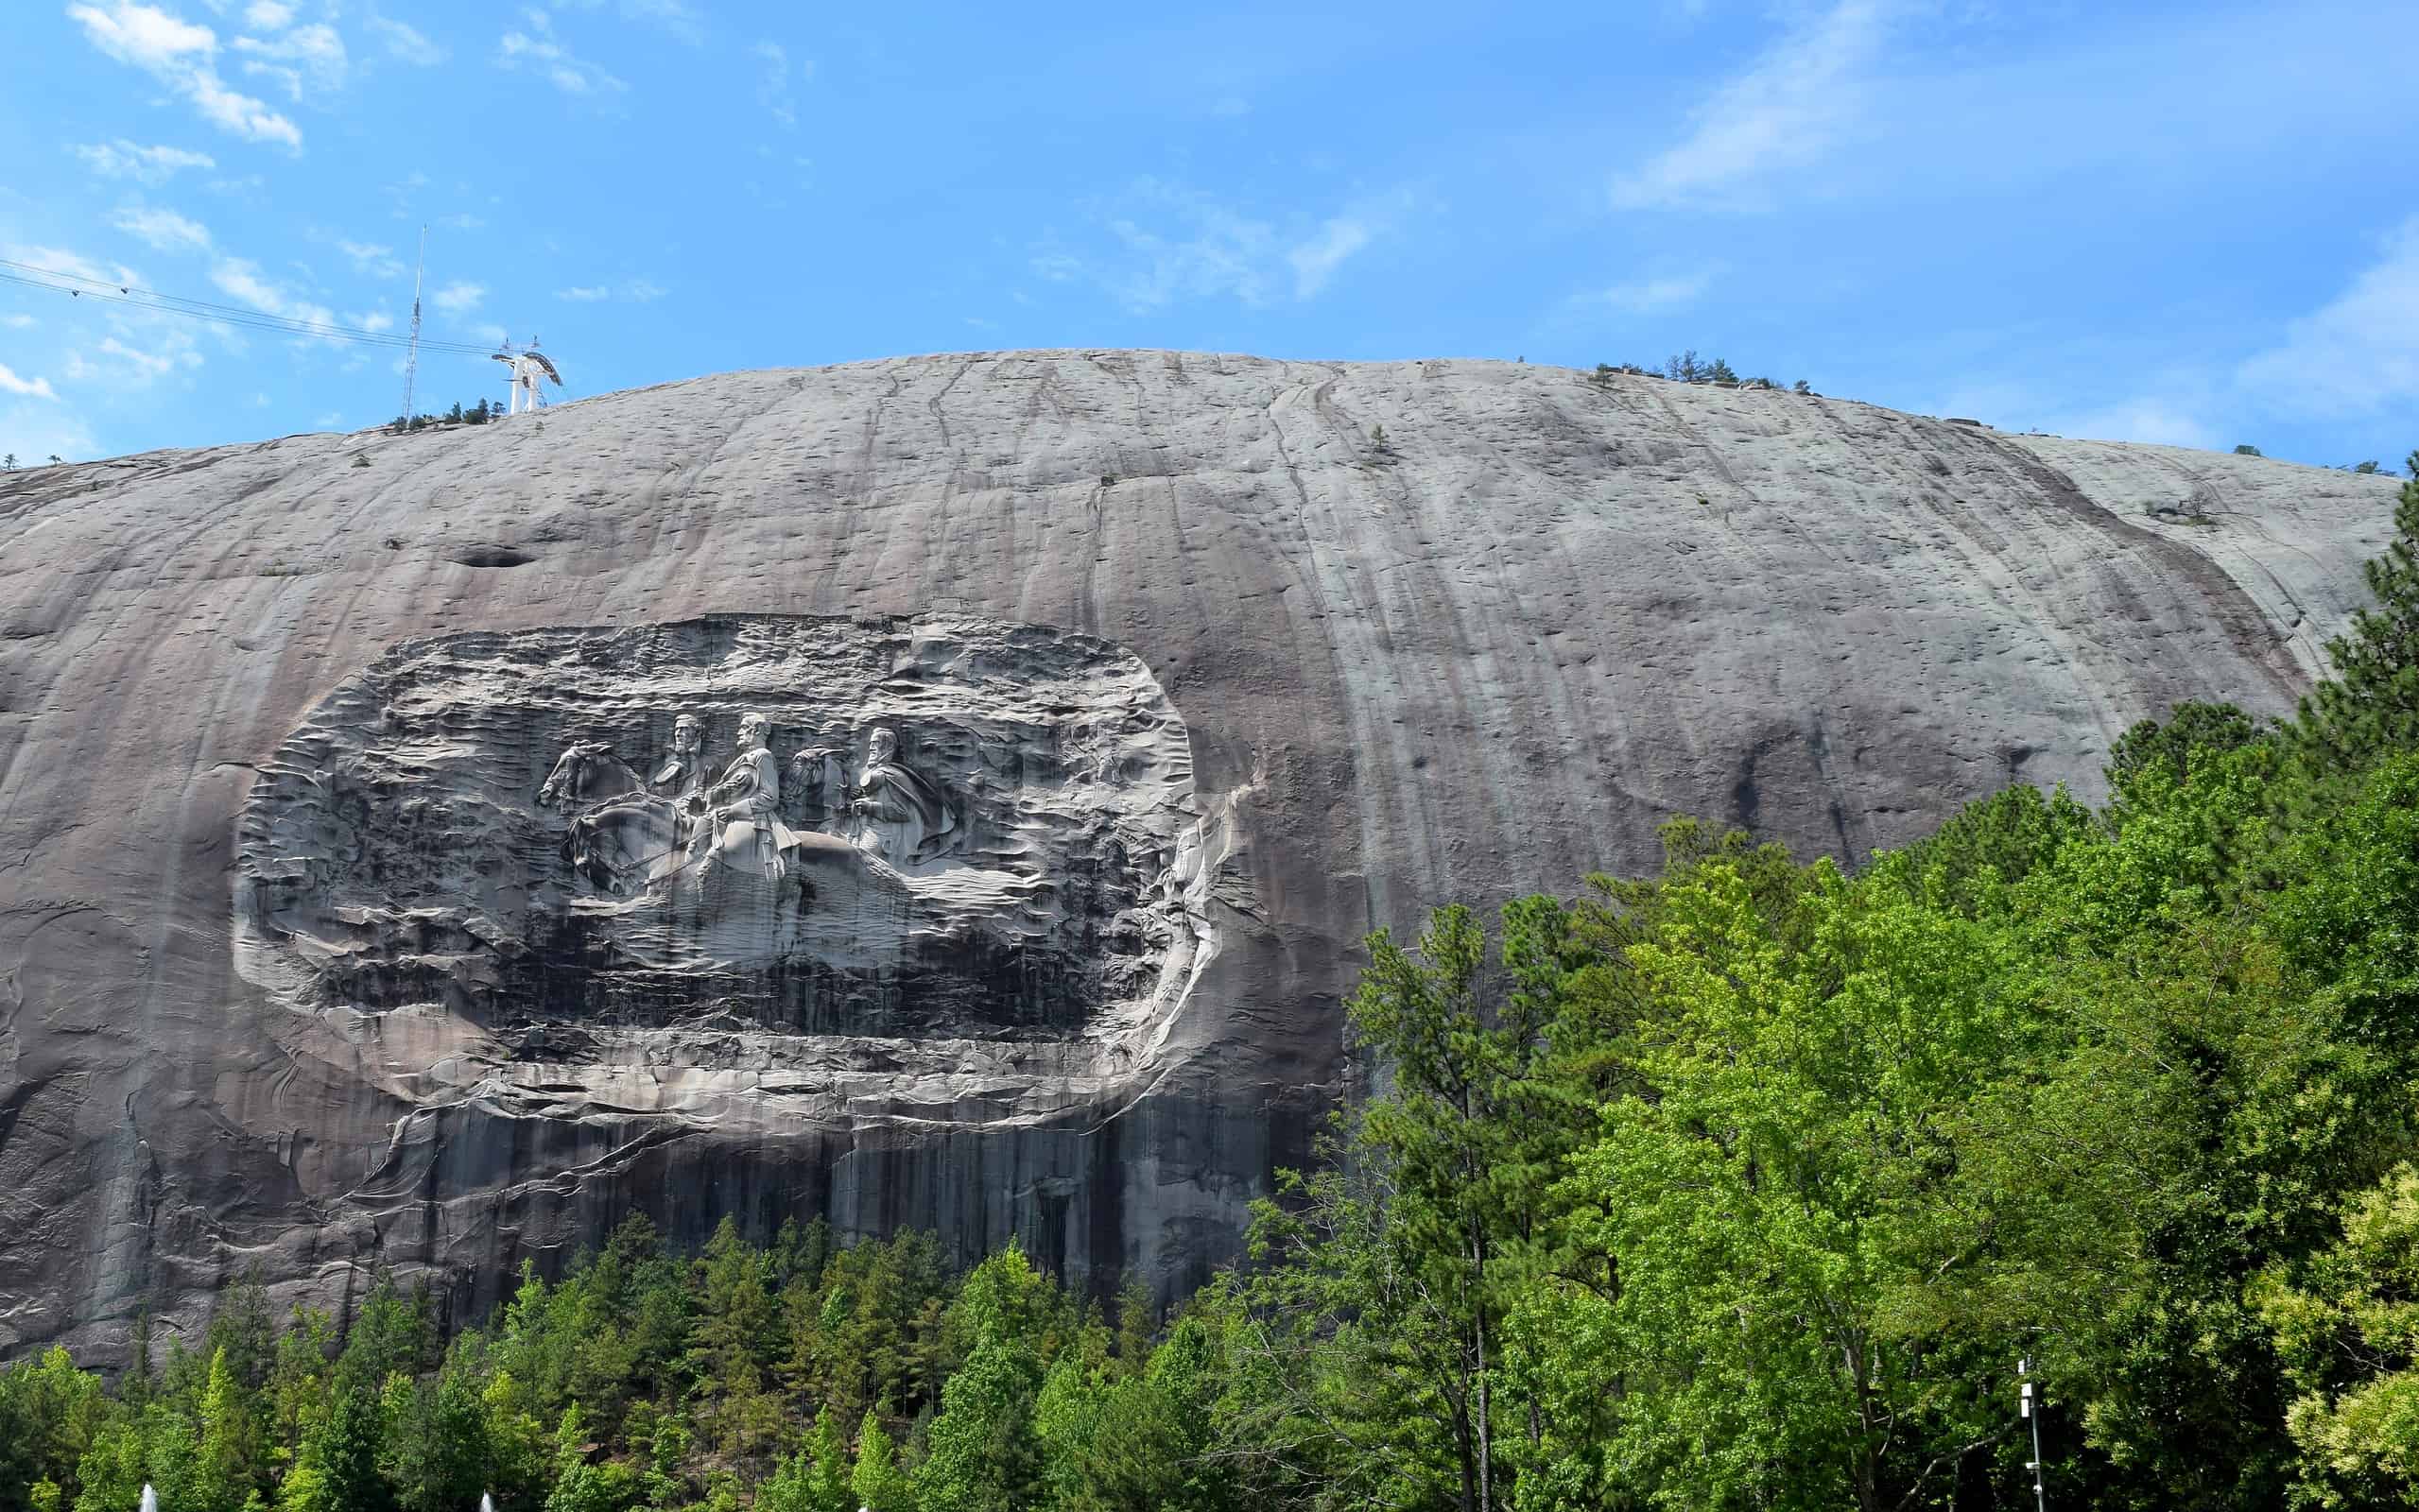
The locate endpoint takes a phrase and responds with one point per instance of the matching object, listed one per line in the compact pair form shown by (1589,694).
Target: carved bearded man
(900,815)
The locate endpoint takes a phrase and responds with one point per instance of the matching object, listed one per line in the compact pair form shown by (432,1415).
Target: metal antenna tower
(411,356)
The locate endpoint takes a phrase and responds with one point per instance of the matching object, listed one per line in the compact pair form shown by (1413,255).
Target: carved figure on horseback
(623,825)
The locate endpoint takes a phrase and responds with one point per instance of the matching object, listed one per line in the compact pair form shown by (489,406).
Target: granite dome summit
(1098,704)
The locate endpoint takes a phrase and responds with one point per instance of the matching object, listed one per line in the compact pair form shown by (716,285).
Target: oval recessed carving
(627,845)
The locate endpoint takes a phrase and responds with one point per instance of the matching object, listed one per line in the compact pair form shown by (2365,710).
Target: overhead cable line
(77,285)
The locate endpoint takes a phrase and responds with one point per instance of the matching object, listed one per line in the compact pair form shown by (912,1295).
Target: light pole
(2025,1403)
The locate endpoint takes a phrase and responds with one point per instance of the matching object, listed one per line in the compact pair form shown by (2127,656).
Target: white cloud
(371,259)
(2357,354)
(405,43)
(165,230)
(488,331)
(637,291)
(773,88)
(1316,260)
(1212,251)
(58,260)
(18,322)
(122,158)
(268,15)
(184,56)
(23,388)
(1787,110)
(145,37)
(678,17)
(1171,242)
(458,298)
(1650,296)
(242,281)
(312,56)
(130,368)
(553,60)
(374,320)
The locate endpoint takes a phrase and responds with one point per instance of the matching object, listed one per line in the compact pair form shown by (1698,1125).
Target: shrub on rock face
(2246,449)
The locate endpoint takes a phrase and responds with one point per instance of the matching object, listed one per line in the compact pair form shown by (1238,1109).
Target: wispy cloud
(2357,354)
(1788,109)
(371,260)
(405,43)
(119,367)
(458,298)
(637,291)
(165,230)
(1649,296)
(268,15)
(122,158)
(182,56)
(310,56)
(23,388)
(1316,260)
(1168,242)
(2353,360)
(538,49)
(773,85)
(679,17)
(243,280)
(60,259)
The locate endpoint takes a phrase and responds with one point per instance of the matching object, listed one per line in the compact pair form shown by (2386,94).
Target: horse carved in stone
(618,829)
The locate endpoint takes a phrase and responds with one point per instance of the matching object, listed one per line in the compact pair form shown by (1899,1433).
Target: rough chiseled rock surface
(302,965)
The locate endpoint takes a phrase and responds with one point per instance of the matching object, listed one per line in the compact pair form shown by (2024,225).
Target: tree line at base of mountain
(1745,1186)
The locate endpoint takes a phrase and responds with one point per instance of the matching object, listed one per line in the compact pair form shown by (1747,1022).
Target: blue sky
(2176,222)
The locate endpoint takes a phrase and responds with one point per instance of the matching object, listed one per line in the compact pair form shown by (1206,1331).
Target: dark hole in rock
(489,556)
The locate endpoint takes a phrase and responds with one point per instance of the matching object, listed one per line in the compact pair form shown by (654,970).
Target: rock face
(1056,726)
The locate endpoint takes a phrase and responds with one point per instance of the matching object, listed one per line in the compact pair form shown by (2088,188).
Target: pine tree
(134,1388)
(223,1479)
(441,1451)
(1137,1320)
(344,1455)
(2371,703)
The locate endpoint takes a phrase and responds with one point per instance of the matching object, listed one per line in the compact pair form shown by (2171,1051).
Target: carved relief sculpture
(1007,861)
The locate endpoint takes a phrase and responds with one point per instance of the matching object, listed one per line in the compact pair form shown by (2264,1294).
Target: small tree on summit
(2246,449)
